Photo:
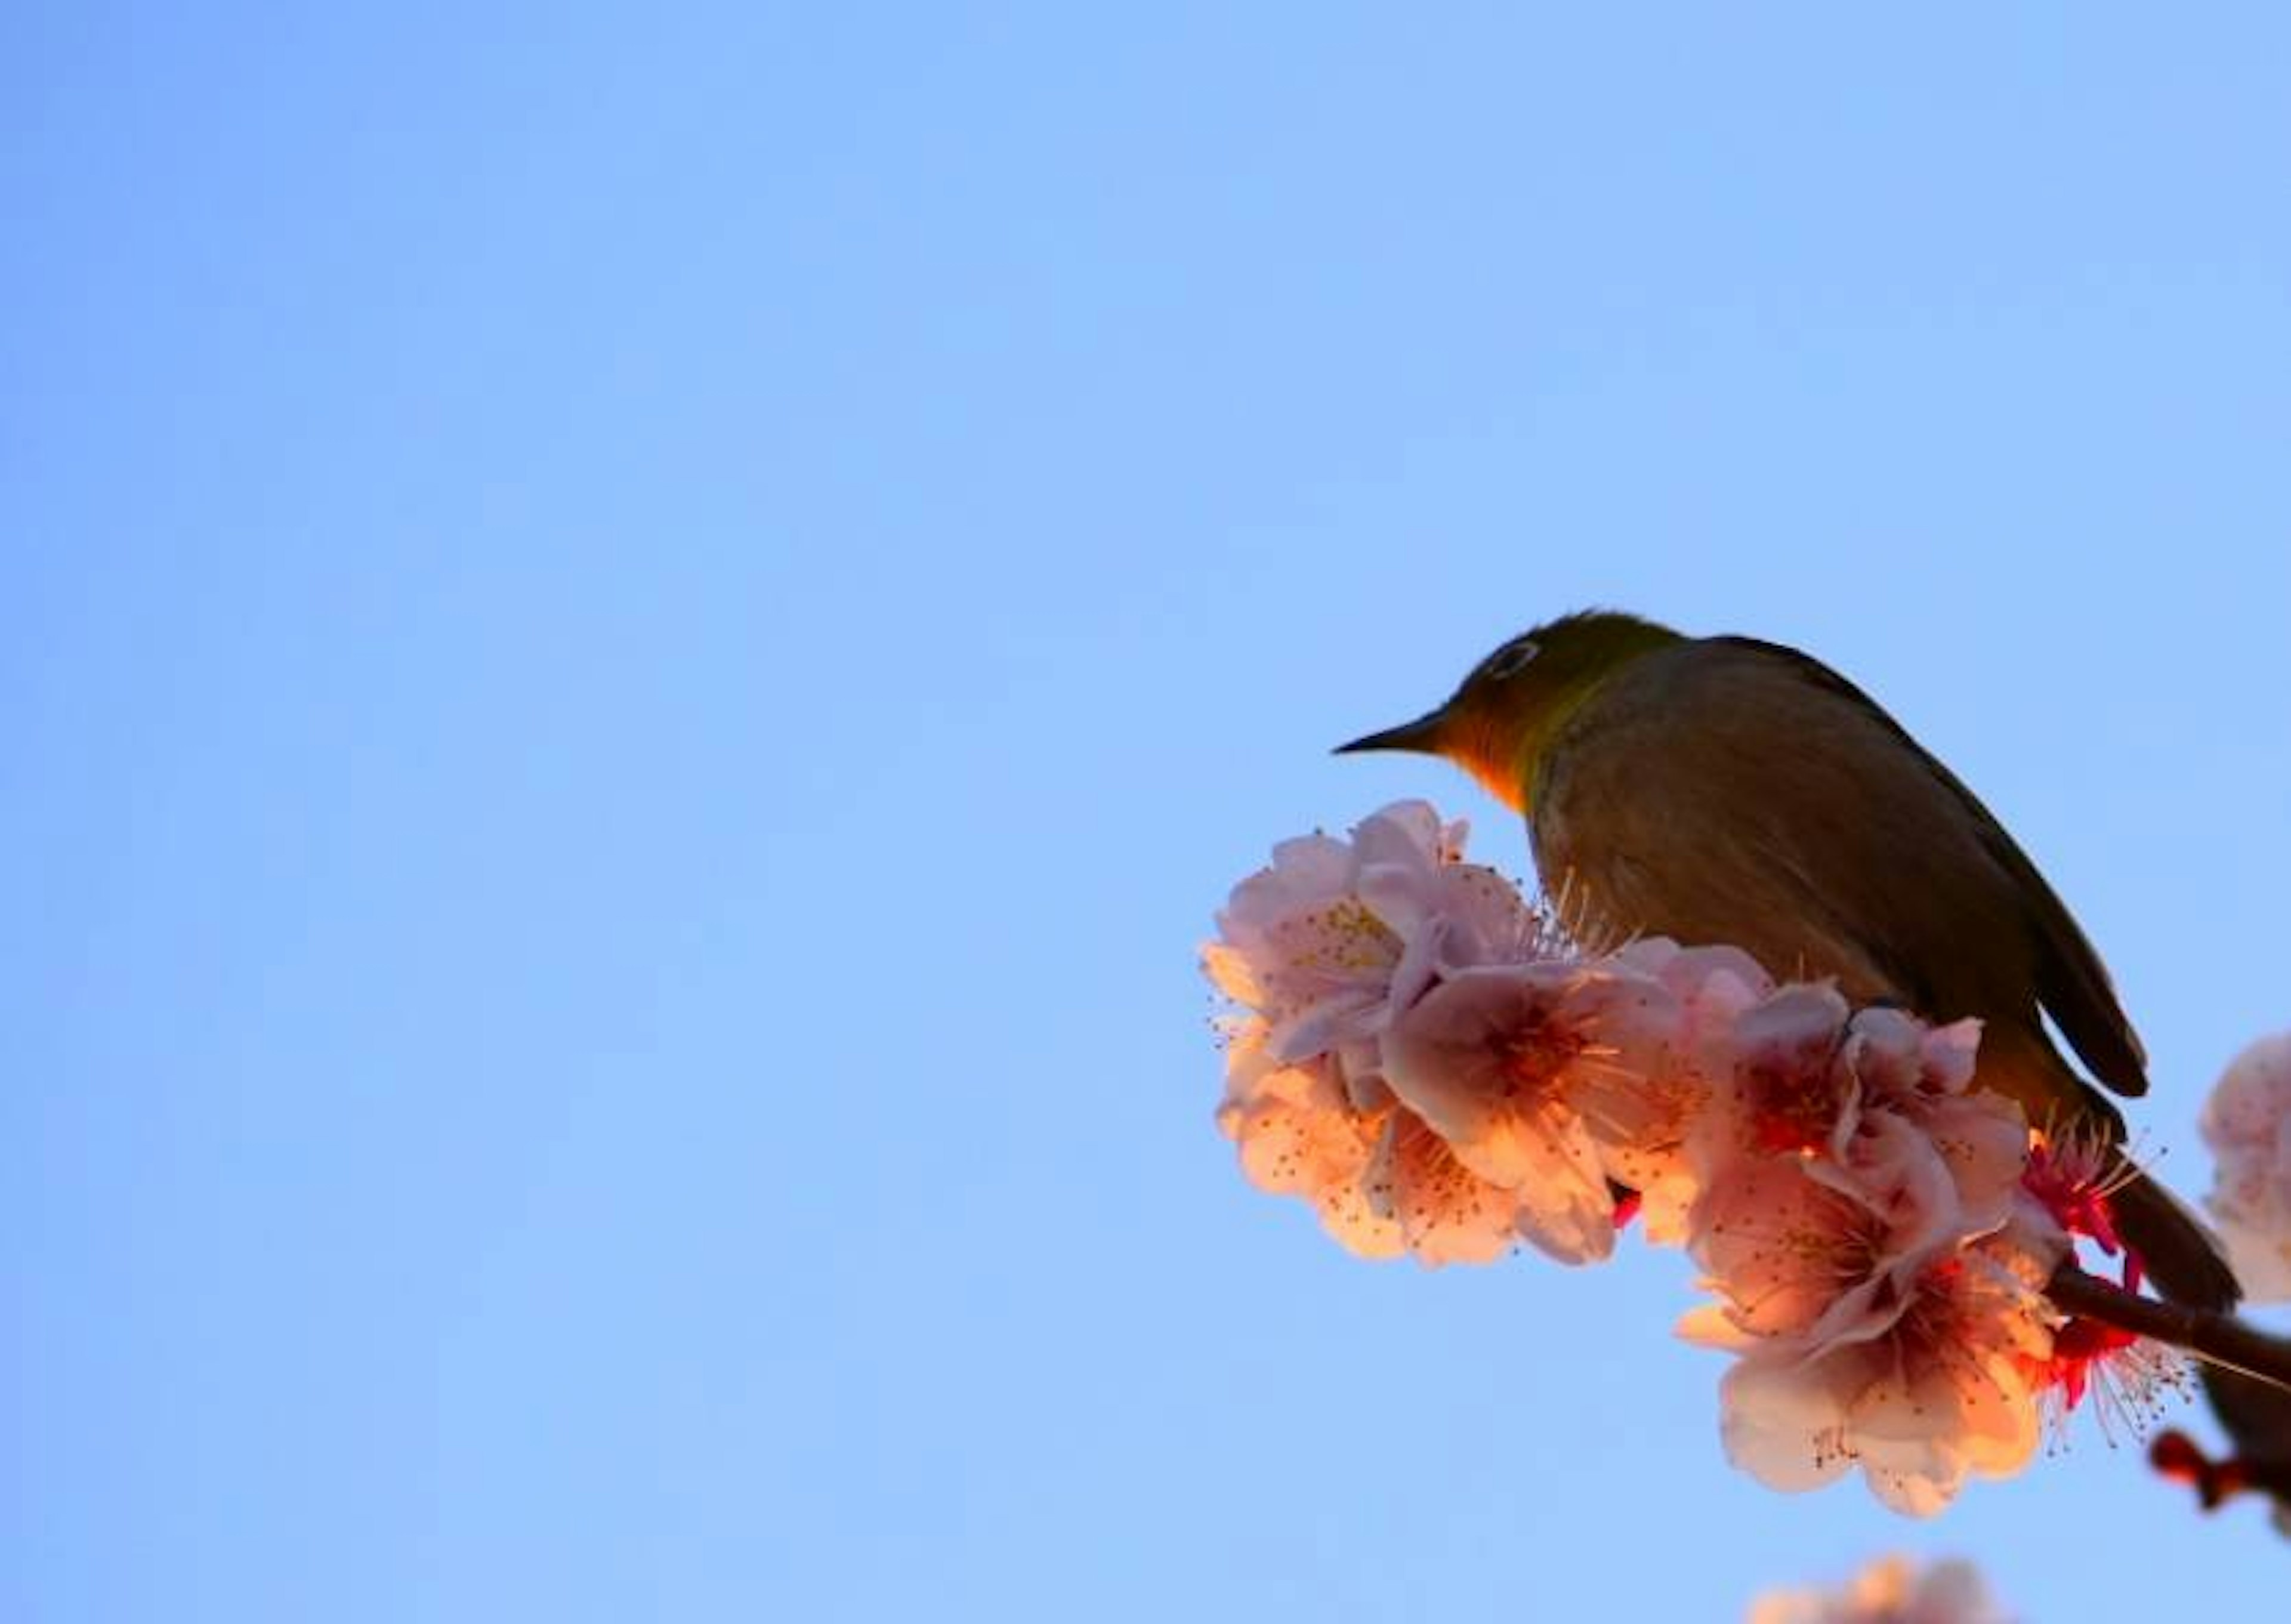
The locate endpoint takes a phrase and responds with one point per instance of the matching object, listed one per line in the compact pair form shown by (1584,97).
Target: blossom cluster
(1890,1590)
(2246,1122)
(1422,1055)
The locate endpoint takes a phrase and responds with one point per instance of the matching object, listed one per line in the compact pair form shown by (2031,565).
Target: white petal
(1782,1425)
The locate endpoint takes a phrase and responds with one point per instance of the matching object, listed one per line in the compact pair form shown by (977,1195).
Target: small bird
(1724,789)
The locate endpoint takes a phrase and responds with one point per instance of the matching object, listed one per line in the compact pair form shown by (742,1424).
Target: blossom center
(1793,1109)
(1530,1055)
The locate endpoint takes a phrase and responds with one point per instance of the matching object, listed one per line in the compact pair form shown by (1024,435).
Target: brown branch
(2246,1375)
(2218,1339)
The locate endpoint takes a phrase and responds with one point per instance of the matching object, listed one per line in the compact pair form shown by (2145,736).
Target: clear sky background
(635,647)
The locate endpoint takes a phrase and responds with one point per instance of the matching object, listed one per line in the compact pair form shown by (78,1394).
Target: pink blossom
(1813,1078)
(1893,1062)
(2246,1122)
(1804,1253)
(1647,1149)
(1714,985)
(1934,1375)
(1319,950)
(1419,1059)
(1784,1094)
(1445,1212)
(1299,1135)
(1523,1070)
(1335,934)
(1892,1590)
(1383,1183)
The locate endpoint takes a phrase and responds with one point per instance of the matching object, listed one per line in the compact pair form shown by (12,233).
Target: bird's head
(1497,723)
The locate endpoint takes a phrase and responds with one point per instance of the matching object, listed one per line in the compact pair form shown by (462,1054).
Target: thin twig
(2218,1339)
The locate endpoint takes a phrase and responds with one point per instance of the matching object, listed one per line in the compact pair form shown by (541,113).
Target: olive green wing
(2071,984)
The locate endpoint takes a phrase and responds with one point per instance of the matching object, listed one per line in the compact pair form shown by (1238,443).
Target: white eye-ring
(1513,658)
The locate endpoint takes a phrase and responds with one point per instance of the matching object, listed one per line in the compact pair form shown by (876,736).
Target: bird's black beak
(1421,735)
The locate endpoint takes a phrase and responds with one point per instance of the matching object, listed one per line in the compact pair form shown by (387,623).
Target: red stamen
(2079,1347)
(2069,1186)
(2087,1339)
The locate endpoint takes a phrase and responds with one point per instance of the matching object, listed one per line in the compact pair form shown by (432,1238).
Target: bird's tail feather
(2180,1253)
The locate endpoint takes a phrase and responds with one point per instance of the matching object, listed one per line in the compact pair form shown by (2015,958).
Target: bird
(1729,790)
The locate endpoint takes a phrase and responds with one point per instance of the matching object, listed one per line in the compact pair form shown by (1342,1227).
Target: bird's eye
(1513,658)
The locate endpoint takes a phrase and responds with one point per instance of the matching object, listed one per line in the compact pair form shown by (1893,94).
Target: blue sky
(638,644)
